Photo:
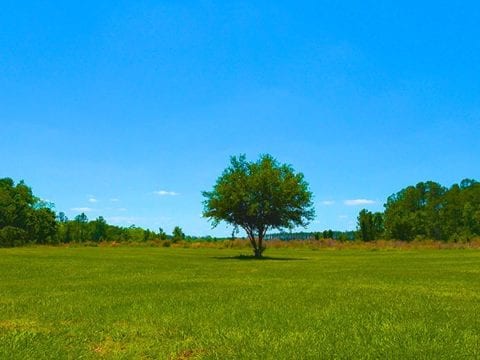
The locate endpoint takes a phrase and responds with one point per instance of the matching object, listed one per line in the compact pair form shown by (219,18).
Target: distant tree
(369,225)
(81,218)
(135,234)
(149,235)
(259,196)
(16,203)
(24,217)
(468,183)
(415,211)
(42,226)
(327,234)
(99,231)
(64,231)
(429,210)
(61,217)
(81,228)
(177,234)
(162,234)
(460,213)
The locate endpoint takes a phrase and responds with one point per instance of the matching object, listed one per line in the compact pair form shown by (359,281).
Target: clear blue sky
(129,109)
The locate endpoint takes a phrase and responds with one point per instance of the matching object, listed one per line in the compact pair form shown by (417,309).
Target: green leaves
(177,234)
(259,196)
(370,225)
(23,217)
(429,210)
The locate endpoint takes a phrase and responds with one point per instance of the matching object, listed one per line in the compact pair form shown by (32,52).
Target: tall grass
(296,244)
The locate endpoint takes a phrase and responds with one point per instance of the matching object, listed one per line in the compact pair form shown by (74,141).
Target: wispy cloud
(165,193)
(328,202)
(357,202)
(114,200)
(121,209)
(82,209)
(92,200)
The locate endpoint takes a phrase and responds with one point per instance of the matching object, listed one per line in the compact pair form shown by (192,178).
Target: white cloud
(114,200)
(92,200)
(328,202)
(165,193)
(122,209)
(356,202)
(82,209)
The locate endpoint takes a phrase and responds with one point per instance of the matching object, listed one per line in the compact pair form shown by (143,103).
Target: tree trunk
(260,247)
(251,237)
(257,244)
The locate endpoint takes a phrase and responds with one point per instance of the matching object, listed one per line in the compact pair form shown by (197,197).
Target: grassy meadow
(175,303)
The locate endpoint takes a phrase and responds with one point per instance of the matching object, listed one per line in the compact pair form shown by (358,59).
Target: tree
(370,225)
(81,224)
(177,234)
(100,226)
(162,234)
(24,217)
(16,204)
(429,210)
(415,211)
(61,217)
(259,196)
(135,233)
(42,226)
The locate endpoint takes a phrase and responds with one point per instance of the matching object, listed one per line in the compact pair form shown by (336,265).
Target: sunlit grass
(212,303)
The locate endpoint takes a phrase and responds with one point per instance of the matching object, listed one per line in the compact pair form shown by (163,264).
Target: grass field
(170,303)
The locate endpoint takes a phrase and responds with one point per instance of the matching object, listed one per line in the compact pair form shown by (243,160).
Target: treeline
(427,210)
(26,219)
(81,230)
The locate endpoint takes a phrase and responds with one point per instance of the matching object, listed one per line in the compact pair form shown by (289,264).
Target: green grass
(209,303)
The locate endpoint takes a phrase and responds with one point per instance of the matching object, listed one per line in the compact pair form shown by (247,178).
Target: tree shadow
(251,257)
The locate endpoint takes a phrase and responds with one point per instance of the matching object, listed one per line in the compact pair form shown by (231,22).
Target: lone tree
(259,196)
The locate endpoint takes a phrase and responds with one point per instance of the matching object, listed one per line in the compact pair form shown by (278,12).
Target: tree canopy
(259,196)
(370,225)
(430,210)
(23,217)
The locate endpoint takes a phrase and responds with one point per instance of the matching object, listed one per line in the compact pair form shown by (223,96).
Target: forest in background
(427,210)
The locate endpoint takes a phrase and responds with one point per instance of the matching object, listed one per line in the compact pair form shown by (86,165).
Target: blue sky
(130,109)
